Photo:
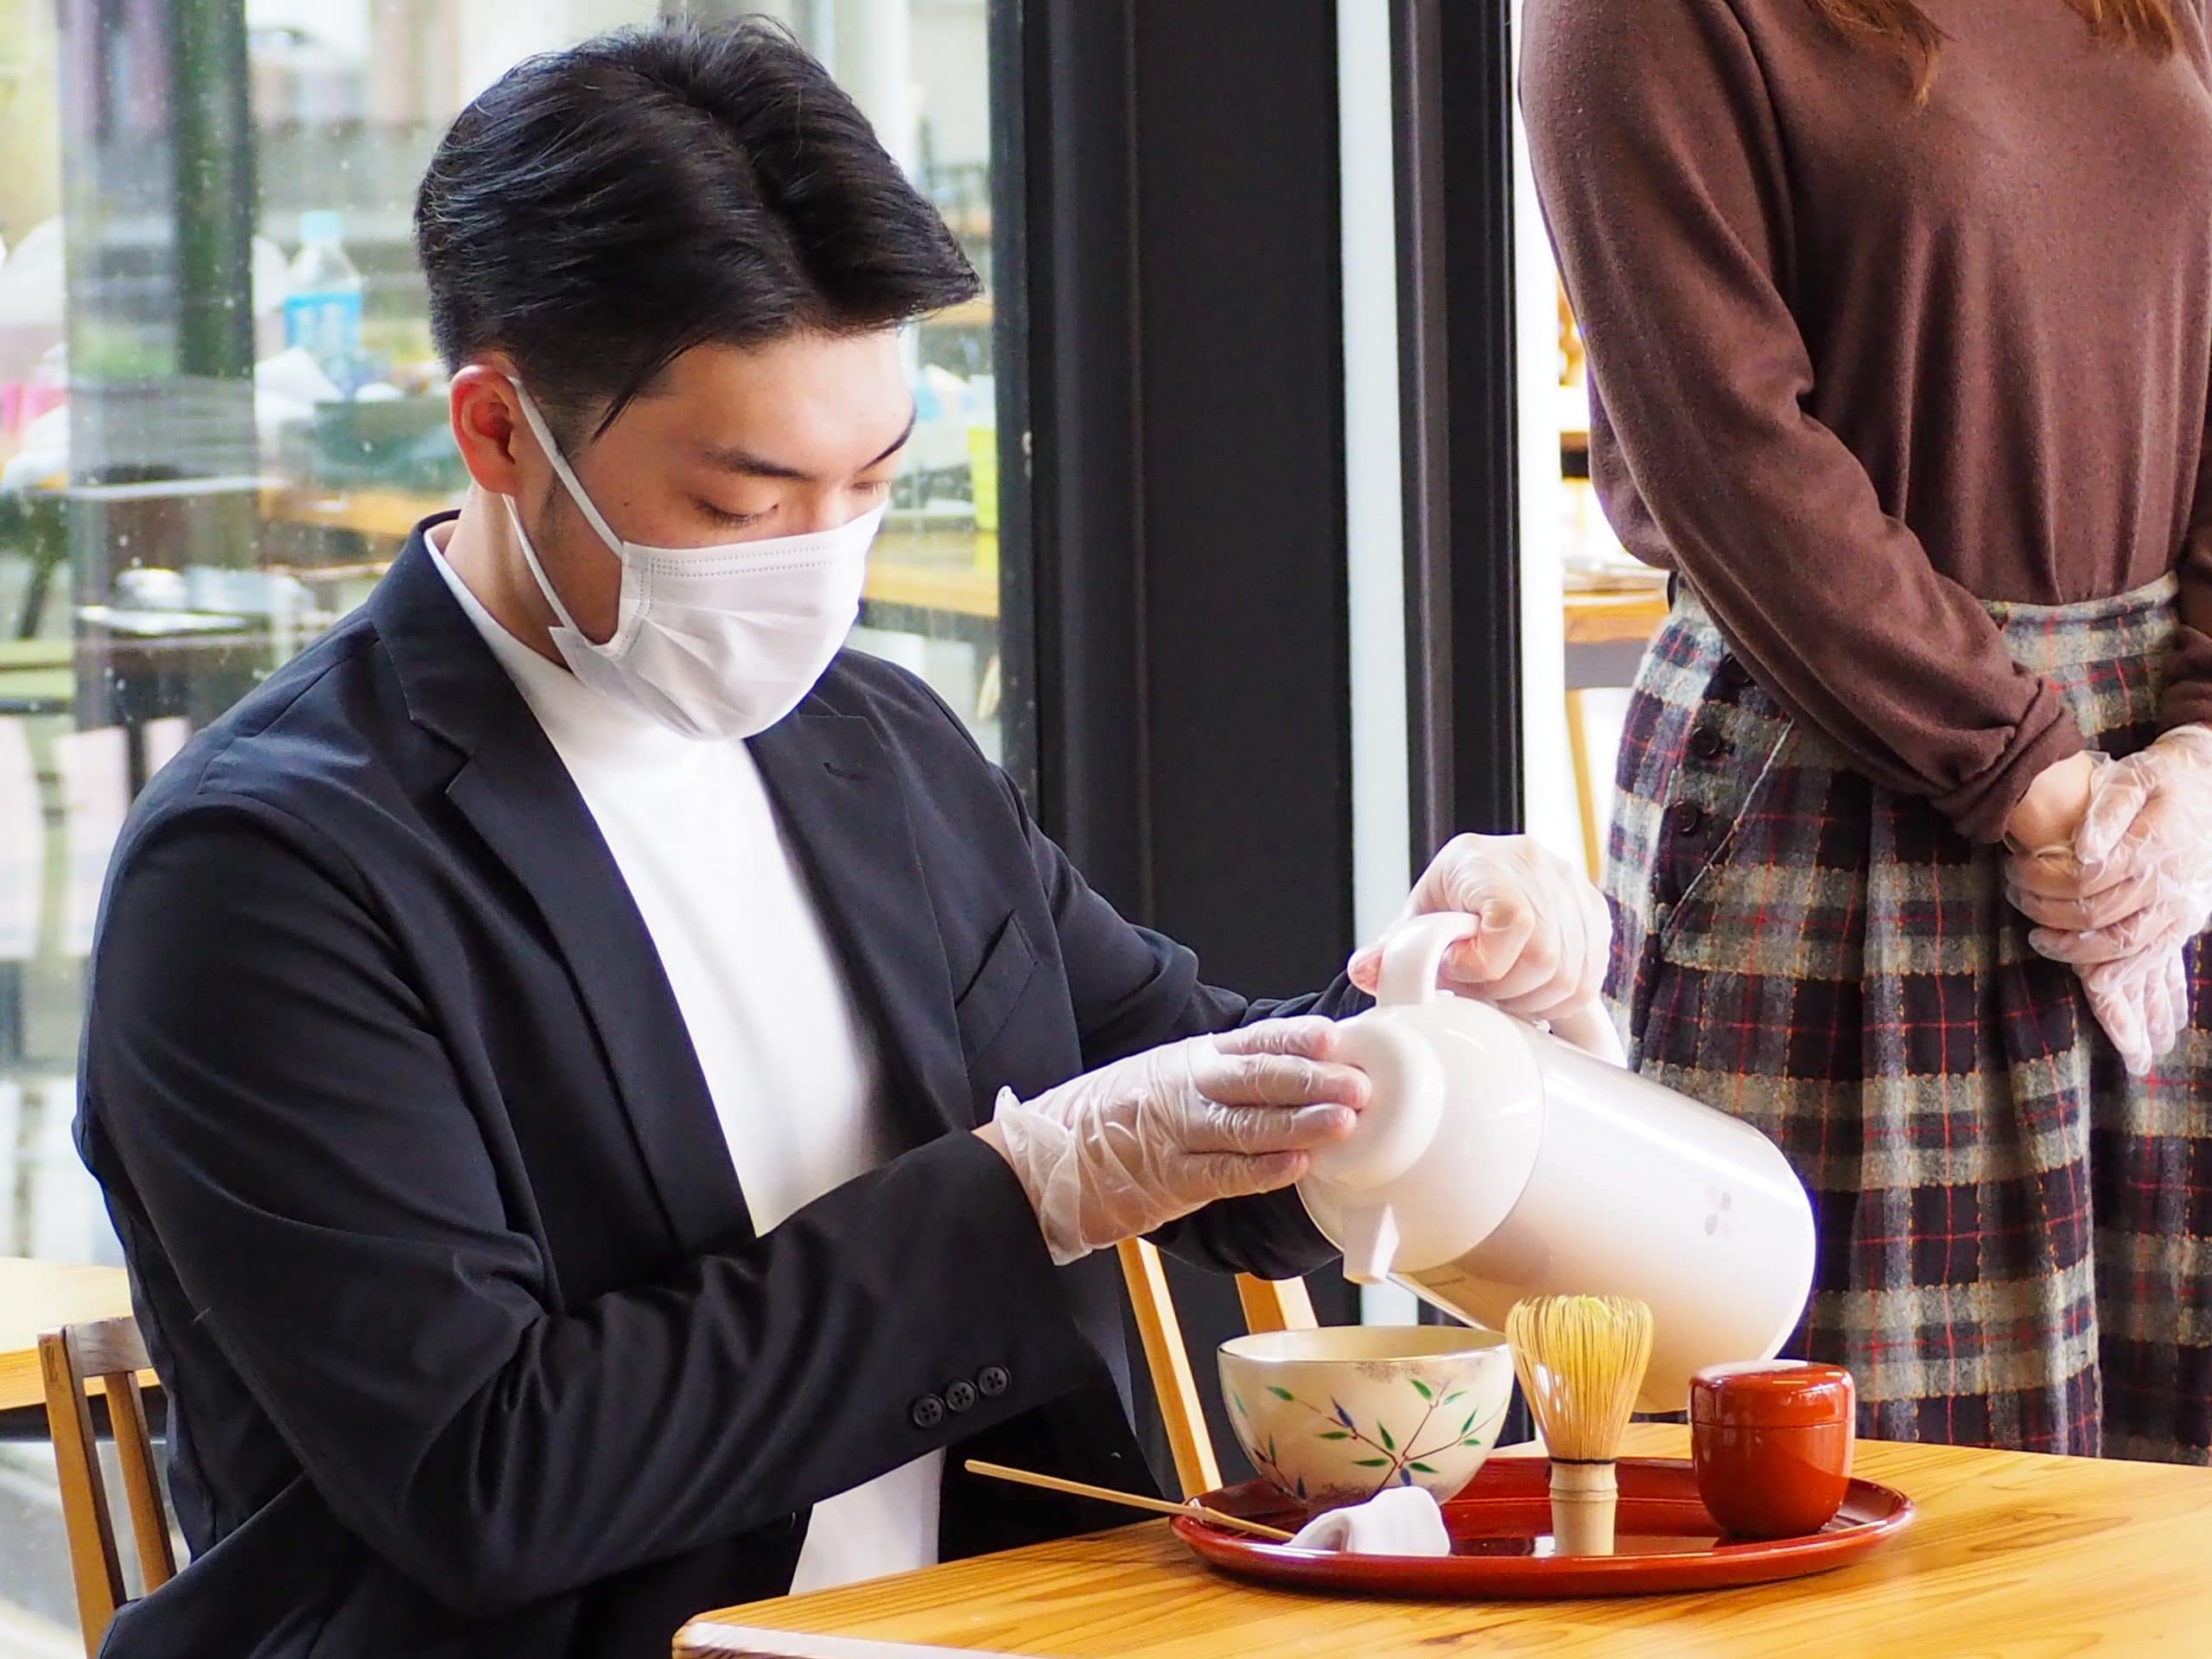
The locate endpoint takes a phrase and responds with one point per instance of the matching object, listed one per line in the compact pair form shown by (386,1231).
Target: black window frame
(1175,493)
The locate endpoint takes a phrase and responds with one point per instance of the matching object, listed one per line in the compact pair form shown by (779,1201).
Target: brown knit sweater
(1856,366)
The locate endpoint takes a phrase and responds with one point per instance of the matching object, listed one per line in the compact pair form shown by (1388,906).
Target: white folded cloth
(1404,1521)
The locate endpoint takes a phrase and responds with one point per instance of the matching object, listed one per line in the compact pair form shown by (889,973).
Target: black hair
(599,211)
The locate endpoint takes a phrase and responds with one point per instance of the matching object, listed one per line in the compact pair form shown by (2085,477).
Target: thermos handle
(1413,957)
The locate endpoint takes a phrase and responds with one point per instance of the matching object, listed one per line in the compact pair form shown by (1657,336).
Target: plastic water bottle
(322,312)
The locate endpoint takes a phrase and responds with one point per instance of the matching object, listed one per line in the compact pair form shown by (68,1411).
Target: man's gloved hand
(1544,933)
(1133,1146)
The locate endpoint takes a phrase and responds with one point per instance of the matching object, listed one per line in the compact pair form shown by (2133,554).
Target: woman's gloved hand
(2123,897)
(2141,858)
(1544,933)
(1135,1145)
(2142,1002)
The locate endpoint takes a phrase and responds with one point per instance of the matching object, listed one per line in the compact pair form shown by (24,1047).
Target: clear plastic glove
(1403,1521)
(1137,1144)
(2139,874)
(2142,1001)
(2122,897)
(1545,932)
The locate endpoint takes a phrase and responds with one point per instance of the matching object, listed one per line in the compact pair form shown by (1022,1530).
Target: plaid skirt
(2015,1237)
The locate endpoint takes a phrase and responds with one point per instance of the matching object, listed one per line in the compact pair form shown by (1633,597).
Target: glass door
(1588,608)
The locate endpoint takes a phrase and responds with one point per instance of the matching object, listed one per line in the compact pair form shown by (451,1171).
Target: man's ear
(487,425)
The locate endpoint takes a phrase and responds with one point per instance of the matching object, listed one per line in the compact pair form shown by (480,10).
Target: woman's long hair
(1901,27)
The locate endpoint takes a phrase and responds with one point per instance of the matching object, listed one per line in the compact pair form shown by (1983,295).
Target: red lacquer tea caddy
(1772,1442)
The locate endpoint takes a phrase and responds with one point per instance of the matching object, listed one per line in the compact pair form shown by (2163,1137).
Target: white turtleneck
(786,1056)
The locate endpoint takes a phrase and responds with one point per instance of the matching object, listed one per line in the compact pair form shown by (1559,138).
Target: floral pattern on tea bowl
(1334,1416)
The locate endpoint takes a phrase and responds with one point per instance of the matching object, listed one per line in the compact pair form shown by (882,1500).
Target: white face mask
(713,642)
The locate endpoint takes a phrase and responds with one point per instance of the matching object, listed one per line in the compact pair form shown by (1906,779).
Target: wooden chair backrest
(1269,1305)
(112,1351)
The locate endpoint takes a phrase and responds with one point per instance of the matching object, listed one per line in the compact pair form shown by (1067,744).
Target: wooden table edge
(22,1388)
(1921,1470)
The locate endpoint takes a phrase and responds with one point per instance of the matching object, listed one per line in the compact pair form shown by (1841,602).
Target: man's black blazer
(471,1346)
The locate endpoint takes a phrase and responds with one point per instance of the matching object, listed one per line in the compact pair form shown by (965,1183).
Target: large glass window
(220,415)
(1588,608)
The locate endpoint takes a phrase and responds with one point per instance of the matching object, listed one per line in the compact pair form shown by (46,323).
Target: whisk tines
(1581,1361)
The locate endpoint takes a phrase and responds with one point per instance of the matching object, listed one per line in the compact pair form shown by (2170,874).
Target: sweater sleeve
(2187,697)
(1660,166)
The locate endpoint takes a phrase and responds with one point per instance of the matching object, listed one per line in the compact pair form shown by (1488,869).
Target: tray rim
(1726,1565)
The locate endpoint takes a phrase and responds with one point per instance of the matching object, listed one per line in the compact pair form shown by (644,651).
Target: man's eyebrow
(735,458)
(913,419)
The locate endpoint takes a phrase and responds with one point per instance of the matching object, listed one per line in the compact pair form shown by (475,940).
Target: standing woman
(1899,321)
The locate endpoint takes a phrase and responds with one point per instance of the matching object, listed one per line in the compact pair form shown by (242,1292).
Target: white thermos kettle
(1496,1161)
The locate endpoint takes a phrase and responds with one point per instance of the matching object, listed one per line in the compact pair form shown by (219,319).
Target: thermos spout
(1370,1245)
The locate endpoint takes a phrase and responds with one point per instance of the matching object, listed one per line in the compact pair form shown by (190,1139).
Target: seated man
(602,1094)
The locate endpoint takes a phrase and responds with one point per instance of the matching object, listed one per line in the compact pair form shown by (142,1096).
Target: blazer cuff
(1018,1345)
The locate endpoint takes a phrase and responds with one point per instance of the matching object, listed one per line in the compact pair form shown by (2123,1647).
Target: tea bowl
(1333,1416)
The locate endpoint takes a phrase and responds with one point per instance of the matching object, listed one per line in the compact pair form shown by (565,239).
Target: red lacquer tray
(1501,1532)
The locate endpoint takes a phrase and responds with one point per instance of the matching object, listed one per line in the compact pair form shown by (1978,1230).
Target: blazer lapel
(529,813)
(843,809)
(514,790)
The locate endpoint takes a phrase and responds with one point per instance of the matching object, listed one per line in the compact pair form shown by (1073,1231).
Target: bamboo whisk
(1580,1360)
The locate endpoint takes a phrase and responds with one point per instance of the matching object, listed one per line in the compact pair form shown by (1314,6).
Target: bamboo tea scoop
(1108,1495)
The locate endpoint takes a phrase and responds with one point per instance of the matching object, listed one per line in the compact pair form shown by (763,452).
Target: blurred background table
(1607,628)
(41,1296)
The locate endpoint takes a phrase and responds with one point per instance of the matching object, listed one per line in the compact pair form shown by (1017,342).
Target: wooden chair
(112,1351)
(1269,1305)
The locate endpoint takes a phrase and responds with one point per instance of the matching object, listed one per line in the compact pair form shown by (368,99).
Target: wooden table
(2012,1557)
(1628,614)
(39,1296)
(37,676)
